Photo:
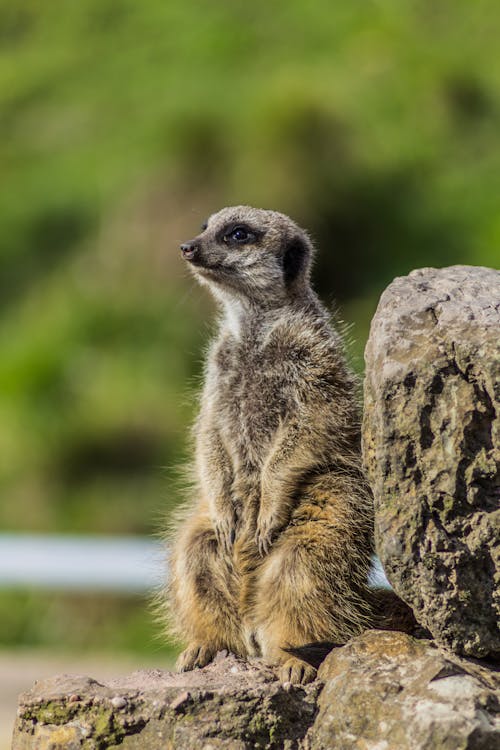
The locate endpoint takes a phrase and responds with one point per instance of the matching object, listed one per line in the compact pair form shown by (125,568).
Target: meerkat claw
(296,672)
(263,542)
(195,656)
(266,533)
(225,533)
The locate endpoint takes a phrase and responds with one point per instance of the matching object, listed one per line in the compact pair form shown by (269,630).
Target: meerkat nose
(189,249)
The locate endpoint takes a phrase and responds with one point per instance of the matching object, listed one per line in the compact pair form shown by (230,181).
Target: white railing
(128,564)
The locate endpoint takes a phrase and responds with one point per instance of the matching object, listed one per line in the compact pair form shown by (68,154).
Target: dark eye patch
(204,226)
(239,234)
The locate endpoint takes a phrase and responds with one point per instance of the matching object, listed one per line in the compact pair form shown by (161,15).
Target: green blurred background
(123,125)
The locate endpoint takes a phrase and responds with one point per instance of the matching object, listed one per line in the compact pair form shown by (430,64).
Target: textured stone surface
(388,691)
(431,440)
(382,691)
(229,704)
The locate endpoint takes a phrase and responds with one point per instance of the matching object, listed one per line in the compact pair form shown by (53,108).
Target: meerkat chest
(251,396)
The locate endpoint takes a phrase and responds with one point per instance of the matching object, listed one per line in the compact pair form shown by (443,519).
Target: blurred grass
(123,125)
(34,619)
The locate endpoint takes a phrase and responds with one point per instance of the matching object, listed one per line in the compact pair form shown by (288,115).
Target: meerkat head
(251,253)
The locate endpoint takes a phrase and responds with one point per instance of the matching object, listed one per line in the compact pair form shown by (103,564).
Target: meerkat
(274,550)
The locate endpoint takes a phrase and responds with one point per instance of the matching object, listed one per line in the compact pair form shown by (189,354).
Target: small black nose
(189,249)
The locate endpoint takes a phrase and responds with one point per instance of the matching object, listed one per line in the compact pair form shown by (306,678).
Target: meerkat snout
(189,249)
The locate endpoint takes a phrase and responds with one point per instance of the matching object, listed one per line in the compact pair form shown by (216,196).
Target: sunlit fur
(274,548)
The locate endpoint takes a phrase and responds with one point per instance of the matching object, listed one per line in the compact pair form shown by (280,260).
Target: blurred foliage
(124,124)
(54,620)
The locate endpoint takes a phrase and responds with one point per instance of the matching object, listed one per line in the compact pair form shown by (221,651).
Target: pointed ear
(294,259)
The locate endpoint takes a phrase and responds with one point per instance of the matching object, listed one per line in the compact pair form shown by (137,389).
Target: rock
(229,704)
(389,691)
(382,691)
(431,442)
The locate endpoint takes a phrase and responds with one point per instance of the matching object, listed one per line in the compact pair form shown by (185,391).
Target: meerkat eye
(239,236)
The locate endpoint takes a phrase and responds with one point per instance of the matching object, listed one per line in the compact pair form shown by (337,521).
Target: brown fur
(274,549)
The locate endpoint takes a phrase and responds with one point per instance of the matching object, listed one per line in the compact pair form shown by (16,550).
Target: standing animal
(274,549)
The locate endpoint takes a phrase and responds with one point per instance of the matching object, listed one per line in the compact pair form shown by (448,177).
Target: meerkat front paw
(296,671)
(226,527)
(195,655)
(266,532)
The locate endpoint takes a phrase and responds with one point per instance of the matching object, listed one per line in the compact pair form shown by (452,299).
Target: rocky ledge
(229,703)
(382,690)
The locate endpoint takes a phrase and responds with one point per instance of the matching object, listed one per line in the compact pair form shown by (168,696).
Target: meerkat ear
(294,259)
